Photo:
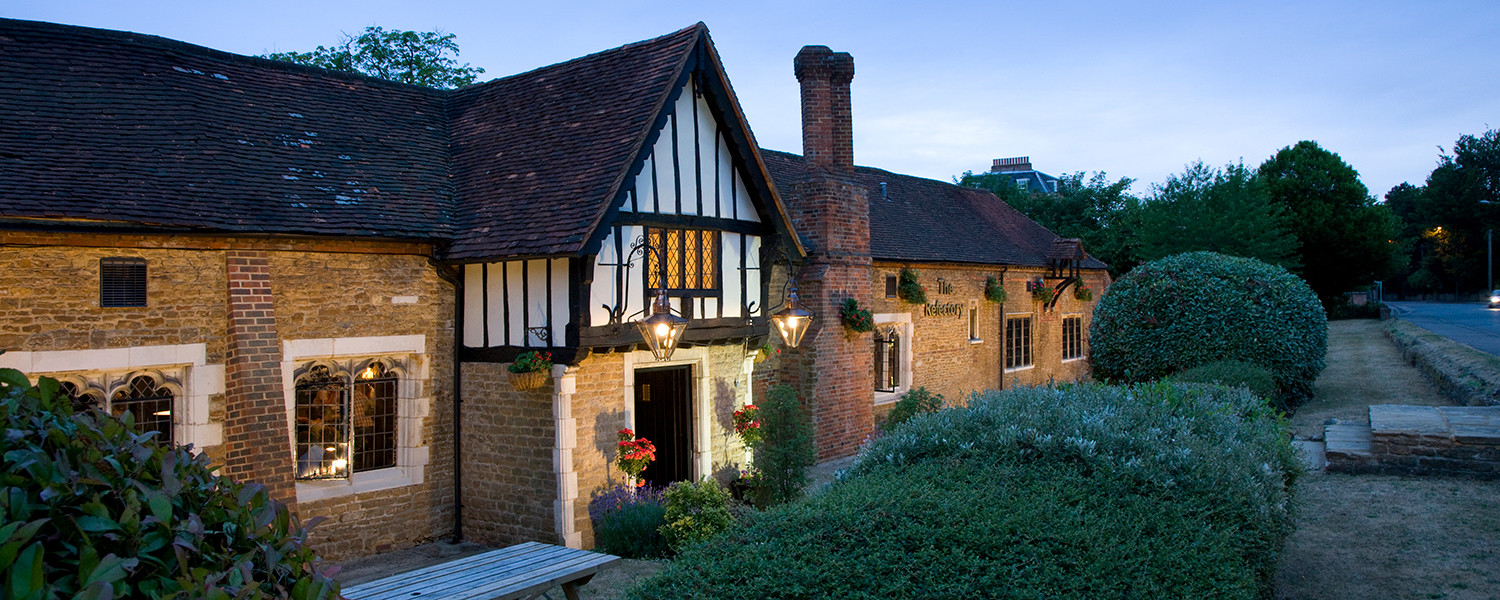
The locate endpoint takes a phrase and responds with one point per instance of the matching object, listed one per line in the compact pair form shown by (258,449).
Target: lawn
(1366,536)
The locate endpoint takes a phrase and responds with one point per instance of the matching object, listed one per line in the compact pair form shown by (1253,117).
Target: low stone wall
(1463,374)
(1419,440)
(1404,454)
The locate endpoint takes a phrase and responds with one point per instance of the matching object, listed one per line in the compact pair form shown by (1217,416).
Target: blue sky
(1135,89)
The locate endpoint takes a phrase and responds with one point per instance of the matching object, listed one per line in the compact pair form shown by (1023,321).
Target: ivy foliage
(95,510)
(1182,311)
(1147,491)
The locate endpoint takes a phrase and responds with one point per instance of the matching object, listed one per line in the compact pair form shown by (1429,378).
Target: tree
(1346,237)
(423,58)
(1099,212)
(1220,210)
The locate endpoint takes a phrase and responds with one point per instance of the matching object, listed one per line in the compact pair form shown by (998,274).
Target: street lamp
(792,322)
(662,330)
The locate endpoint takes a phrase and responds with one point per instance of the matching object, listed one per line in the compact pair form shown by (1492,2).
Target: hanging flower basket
(1083,293)
(993,291)
(908,287)
(528,381)
(856,319)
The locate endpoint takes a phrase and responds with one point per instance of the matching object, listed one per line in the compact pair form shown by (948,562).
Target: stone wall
(946,361)
(508,480)
(49,306)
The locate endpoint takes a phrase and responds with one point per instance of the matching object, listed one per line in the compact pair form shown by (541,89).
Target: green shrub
(628,522)
(1233,373)
(909,288)
(787,445)
(695,513)
(1150,491)
(95,510)
(912,403)
(1341,308)
(1173,314)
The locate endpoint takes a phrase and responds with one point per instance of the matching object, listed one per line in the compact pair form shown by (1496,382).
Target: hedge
(1175,313)
(1149,491)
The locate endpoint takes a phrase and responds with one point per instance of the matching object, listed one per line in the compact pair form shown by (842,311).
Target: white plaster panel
(729,264)
(661,154)
(742,197)
(495,300)
(686,150)
(536,300)
(516,326)
(473,306)
(602,292)
(724,179)
(708,135)
(561,316)
(752,275)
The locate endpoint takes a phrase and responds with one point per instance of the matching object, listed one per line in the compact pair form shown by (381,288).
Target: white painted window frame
(902,321)
(1083,338)
(1030,340)
(186,363)
(413,405)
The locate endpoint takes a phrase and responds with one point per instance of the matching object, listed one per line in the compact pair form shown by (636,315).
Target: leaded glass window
(684,262)
(149,403)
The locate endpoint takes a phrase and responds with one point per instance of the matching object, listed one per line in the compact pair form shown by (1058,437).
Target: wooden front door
(663,414)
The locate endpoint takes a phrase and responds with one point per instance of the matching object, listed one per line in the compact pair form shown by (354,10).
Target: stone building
(319,279)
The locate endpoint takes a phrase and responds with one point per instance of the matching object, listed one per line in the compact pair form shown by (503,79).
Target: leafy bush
(95,510)
(627,521)
(1232,373)
(1149,491)
(908,288)
(993,291)
(1342,308)
(1173,314)
(696,512)
(912,403)
(786,448)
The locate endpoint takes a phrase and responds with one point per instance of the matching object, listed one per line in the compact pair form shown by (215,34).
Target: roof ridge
(121,36)
(594,55)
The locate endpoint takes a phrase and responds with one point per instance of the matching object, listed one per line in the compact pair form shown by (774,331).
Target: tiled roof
(537,157)
(121,127)
(918,219)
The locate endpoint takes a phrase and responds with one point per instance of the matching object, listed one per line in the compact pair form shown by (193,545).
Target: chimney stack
(1011,165)
(827,127)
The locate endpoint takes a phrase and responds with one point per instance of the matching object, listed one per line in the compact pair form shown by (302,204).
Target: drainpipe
(455,276)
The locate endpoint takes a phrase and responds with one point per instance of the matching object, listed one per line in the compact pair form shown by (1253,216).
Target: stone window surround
(183,368)
(1030,342)
(1082,338)
(902,321)
(412,408)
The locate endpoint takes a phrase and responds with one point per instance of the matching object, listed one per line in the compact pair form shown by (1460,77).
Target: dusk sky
(1135,89)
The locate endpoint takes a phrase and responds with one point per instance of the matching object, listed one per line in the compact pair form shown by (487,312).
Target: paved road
(1470,323)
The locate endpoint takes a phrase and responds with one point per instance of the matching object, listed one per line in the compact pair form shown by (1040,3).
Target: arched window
(83,399)
(346,423)
(149,402)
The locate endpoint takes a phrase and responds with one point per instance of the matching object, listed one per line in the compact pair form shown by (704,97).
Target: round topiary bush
(95,510)
(1173,314)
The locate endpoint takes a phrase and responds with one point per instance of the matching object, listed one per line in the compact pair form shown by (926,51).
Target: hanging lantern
(793,320)
(662,330)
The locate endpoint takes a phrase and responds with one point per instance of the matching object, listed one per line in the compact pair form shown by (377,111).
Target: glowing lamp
(662,330)
(793,320)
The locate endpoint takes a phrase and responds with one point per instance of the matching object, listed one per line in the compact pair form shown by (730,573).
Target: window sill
(889,397)
(1076,359)
(1020,368)
(975,341)
(358,483)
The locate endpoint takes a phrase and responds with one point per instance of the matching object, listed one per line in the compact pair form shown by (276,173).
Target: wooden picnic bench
(520,572)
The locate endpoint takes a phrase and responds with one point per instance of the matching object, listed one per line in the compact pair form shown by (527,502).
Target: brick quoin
(832,369)
(254,410)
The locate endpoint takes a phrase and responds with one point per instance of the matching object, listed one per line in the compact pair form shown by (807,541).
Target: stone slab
(1404,419)
(1312,454)
(1348,439)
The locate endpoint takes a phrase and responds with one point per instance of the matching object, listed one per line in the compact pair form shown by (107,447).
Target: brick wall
(256,432)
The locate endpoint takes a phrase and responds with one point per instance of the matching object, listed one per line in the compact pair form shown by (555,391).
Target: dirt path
(1367,536)
(1364,368)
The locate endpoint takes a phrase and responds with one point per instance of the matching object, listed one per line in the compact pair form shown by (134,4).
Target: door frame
(701,452)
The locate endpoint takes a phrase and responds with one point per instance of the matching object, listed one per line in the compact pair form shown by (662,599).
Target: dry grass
(1364,368)
(1375,536)
(1367,536)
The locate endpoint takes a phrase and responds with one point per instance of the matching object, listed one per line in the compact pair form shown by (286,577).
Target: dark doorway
(663,414)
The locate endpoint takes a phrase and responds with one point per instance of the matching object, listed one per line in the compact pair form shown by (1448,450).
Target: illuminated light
(338,464)
(369,373)
(162,413)
(330,449)
(793,320)
(661,330)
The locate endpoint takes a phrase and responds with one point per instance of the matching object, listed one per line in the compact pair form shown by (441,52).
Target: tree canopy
(1347,238)
(1097,211)
(1220,210)
(1443,222)
(423,58)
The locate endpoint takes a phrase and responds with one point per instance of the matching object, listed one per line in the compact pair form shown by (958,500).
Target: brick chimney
(1011,165)
(827,127)
(833,370)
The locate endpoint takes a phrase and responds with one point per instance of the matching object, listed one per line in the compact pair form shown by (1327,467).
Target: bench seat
(519,572)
